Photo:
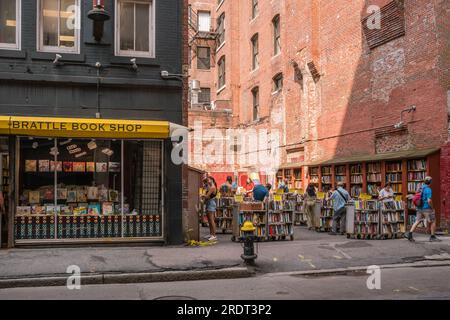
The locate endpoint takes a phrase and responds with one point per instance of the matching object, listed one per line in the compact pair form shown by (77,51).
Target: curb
(344,271)
(122,278)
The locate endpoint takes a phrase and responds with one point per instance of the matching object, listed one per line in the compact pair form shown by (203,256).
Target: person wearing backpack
(340,198)
(424,204)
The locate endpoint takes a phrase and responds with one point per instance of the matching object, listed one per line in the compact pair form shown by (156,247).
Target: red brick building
(356,98)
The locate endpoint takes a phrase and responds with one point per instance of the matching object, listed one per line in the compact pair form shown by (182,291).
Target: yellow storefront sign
(83,128)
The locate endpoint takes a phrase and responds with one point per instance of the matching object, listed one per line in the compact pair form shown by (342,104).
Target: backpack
(417,198)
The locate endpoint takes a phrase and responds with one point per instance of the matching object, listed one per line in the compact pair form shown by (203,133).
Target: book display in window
(279,178)
(374,178)
(356,180)
(394,176)
(326,178)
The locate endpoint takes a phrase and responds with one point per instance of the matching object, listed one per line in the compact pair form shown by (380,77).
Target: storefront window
(103,188)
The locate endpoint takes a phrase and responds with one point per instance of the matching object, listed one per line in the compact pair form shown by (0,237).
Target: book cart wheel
(348,235)
(233,238)
(291,237)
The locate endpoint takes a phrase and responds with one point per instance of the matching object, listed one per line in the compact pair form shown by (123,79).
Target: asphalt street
(399,283)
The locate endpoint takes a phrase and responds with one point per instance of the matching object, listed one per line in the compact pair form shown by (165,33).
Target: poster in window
(81,195)
(126,208)
(48,194)
(57,164)
(68,166)
(62,193)
(34,197)
(30,165)
(113,196)
(66,210)
(38,210)
(23,210)
(108,208)
(102,194)
(102,167)
(82,209)
(114,167)
(72,196)
(92,193)
(90,166)
(44,165)
(94,209)
(53,210)
(79,166)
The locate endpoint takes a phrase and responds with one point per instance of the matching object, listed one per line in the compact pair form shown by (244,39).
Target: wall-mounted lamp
(401,124)
(133,64)
(166,75)
(99,15)
(57,58)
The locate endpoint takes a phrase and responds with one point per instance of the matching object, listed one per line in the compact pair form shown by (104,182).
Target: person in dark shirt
(260,192)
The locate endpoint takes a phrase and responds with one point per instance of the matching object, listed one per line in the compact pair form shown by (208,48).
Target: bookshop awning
(85,128)
(406,154)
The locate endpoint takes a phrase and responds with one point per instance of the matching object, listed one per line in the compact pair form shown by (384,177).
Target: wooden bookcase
(394,175)
(340,174)
(314,176)
(326,178)
(356,180)
(373,178)
(297,177)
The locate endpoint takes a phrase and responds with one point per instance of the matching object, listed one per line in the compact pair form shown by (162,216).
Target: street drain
(175,298)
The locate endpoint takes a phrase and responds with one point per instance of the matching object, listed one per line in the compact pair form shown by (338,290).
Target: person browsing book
(340,198)
(386,194)
(310,197)
(260,192)
(211,206)
(226,189)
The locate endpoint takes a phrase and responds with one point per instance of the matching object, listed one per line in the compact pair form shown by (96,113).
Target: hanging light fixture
(99,15)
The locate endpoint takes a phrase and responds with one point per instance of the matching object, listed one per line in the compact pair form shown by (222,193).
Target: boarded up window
(392,24)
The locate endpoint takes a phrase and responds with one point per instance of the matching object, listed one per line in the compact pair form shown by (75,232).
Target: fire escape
(200,38)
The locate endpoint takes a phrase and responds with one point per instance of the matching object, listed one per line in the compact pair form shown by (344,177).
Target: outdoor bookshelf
(417,171)
(279,178)
(298,181)
(374,178)
(313,173)
(326,178)
(297,202)
(356,180)
(288,177)
(340,174)
(253,212)
(394,175)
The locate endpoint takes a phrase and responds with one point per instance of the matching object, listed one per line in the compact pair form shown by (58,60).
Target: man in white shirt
(340,198)
(386,194)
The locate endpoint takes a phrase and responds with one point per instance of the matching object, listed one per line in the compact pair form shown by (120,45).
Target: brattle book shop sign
(75,126)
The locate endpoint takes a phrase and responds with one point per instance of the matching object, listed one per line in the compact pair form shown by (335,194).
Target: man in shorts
(425,212)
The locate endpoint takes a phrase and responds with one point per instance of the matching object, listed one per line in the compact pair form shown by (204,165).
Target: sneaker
(207,237)
(212,238)
(409,236)
(434,239)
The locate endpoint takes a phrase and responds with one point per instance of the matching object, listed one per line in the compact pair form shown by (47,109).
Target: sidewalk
(310,251)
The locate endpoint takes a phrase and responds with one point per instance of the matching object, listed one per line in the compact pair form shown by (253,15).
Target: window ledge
(254,19)
(14,54)
(69,57)
(139,61)
(221,89)
(276,56)
(253,71)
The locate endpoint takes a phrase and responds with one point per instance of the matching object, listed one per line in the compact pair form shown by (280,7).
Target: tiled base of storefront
(87,227)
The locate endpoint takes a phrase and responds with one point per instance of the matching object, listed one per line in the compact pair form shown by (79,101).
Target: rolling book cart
(224,214)
(280,219)
(256,212)
(363,220)
(376,220)
(299,210)
(393,222)
(325,217)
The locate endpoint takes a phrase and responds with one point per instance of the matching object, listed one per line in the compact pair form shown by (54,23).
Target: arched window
(276,35)
(255,52)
